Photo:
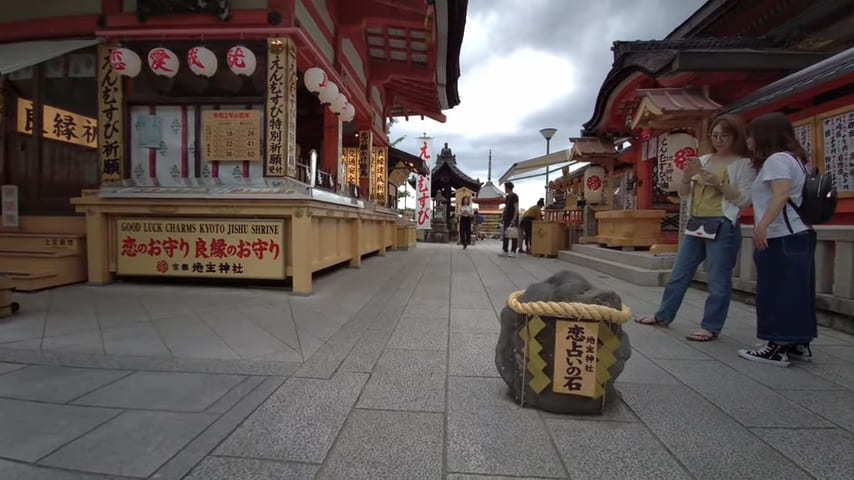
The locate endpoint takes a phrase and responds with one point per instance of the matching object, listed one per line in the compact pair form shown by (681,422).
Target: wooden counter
(316,234)
(628,228)
(547,238)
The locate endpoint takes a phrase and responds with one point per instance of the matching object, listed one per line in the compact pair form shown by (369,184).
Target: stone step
(636,275)
(644,260)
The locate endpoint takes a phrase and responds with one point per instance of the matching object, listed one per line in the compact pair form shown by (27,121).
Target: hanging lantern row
(201,61)
(327,92)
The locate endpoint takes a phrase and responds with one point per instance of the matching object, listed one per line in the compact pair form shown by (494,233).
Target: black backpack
(818,198)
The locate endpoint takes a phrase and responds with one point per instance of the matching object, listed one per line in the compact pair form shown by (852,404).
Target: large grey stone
(222,468)
(297,423)
(407,380)
(487,433)
(378,445)
(613,450)
(54,384)
(134,444)
(710,444)
(32,430)
(749,402)
(824,453)
(184,392)
(510,358)
(472,355)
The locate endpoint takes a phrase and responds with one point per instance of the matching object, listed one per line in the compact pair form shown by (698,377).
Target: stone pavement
(387,372)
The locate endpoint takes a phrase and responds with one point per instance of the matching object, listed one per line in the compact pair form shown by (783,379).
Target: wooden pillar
(643,169)
(281,108)
(300,259)
(366,147)
(97,246)
(110,121)
(356,242)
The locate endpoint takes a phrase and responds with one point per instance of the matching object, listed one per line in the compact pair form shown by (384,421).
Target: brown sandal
(702,336)
(651,321)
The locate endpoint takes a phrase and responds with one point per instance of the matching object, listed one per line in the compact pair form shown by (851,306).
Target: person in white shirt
(785,245)
(466,216)
(717,188)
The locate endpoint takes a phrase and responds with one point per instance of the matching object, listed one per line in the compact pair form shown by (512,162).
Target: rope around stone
(569,310)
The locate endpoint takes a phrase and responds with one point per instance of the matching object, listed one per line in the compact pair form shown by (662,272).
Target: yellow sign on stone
(231,135)
(58,124)
(219,248)
(575,358)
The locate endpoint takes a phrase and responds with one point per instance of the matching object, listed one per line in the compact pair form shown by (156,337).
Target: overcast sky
(532,64)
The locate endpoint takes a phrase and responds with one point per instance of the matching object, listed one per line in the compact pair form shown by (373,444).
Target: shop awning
(536,163)
(18,55)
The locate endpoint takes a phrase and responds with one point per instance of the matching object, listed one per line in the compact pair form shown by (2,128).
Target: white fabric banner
(423,188)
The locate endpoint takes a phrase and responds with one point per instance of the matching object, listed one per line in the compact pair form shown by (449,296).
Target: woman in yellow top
(717,188)
(527,224)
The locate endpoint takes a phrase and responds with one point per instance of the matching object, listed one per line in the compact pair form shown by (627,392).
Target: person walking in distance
(717,187)
(466,216)
(510,218)
(527,224)
(785,245)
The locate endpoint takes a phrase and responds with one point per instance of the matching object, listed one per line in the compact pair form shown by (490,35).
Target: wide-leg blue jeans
(720,255)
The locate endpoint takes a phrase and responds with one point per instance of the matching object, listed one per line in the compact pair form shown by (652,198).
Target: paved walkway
(387,372)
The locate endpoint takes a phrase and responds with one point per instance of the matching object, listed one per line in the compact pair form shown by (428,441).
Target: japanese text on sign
(351,160)
(109,118)
(575,358)
(378,159)
(839,149)
(275,115)
(59,124)
(9,197)
(423,202)
(231,136)
(201,248)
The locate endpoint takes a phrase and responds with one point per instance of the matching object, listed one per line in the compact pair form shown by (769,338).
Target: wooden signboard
(231,135)
(576,344)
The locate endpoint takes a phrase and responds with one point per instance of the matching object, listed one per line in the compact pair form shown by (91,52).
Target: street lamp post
(547,133)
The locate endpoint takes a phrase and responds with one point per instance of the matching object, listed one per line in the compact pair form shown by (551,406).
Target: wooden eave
(659,107)
(588,149)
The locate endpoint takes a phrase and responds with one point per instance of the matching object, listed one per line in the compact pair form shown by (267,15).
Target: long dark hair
(772,133)
(735,126)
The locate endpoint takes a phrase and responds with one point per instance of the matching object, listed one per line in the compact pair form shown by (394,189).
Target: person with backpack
(786,198)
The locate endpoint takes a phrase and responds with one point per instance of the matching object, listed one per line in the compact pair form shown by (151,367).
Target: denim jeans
(785,289)
(514,242)
(720,255)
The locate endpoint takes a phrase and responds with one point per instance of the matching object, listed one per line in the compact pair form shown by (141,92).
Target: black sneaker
(771,353)
(800,352)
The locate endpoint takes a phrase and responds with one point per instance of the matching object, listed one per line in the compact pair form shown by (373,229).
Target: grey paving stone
(426,308)
(184,392)
(226,468)
(473,355)
(640,369)
(234,395)
(749,402)
(421,333)
(845,353)
(25,326)
(488,434)
(834,406)
(824,453)
(615,411)
(299,422)
(188,336)
(134,444)
(842,375)
(479,300)
(461,476)
(387,445)
(54,384)
(613,450)
(710,444)
(407,380)
(655,343)
(22,471)
(241,334)
(9,367)
(32,430)
(88,341)
(134,339)
(367,351)
(474,320)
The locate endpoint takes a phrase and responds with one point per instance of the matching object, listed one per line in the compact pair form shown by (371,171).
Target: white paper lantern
(241,60)
(674,150)
(202,61)
(349,113)
(163,61)
(125,61)
(594,184)
(337,105)
(315,80)
(328,93)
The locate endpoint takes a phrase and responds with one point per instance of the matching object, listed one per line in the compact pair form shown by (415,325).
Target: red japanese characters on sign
(681,157)
(116,60)
(594,182)
(423,205)
(249,249)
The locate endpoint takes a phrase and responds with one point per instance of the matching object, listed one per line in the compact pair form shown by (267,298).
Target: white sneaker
(502,254)
(800,352)
(772,354)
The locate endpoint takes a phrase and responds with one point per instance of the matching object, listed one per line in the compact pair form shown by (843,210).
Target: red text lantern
(241,60)
(202,61)
(125,61)
(163,61)
(594,180)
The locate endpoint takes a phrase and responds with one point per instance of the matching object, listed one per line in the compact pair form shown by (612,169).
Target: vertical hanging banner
(110,115)
(350,160)
(281,108)
(9,199)
(423,187)
(378,159)
(366,141)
